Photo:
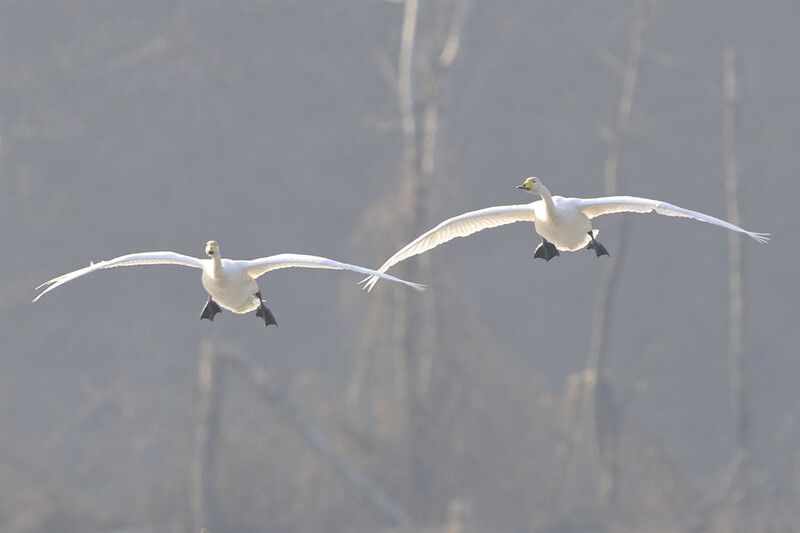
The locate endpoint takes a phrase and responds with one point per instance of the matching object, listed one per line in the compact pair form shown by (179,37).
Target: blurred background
(655,390)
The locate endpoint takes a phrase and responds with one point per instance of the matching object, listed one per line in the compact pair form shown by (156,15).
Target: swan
(563,223)
(230,283)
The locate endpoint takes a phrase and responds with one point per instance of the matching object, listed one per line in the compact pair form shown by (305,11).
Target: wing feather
(593,207)
(458,226)
(258,267)
(142,258)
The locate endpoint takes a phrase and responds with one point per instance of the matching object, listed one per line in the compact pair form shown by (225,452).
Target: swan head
(532,185)
(212,248)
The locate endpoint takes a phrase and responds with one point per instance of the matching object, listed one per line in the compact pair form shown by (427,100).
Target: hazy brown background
(272,126)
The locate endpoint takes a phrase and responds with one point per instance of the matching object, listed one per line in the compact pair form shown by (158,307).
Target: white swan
(563,223)
(230,283)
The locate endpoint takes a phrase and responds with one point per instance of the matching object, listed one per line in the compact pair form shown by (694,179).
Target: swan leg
(598,248)
(265,313)
(210,310)
(546,251)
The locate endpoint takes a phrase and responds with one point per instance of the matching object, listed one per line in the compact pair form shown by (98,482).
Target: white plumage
(563,223)
(230,283)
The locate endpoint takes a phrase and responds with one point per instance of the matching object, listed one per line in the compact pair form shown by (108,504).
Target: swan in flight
(230,283)
(563,223)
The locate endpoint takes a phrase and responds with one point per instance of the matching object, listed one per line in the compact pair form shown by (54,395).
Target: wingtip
(46,286)
(368,283)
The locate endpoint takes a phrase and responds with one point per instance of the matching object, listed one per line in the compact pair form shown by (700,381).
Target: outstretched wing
(593,207)
(257,267)
(143,258)
(459,226)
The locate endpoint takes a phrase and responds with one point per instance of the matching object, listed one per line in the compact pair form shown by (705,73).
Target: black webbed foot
(598,248)
(546,250)
(265,313)
(210,310)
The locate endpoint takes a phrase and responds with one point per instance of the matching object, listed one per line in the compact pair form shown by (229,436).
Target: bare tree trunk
(737,358)
(405,87)
(202,501)
(410,342)
(572,407)
(601,318)
(599,397)
(407,319)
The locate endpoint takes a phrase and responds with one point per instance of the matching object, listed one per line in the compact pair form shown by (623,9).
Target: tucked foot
(598,248)
(546,251)
(210,310)
(265,313)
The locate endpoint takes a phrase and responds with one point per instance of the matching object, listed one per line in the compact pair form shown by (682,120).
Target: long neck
(549,205)
(216,265)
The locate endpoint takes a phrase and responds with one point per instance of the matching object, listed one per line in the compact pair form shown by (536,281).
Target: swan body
(563,223)
(231,286)
(230,283)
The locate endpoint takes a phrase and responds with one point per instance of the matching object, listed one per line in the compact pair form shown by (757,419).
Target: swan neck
(216,265)
(550,206)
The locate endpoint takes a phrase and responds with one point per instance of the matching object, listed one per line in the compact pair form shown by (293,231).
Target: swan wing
(143,258)
(593,207)
(257,267)
(458,226)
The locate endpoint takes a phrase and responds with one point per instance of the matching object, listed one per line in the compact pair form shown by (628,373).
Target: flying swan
(230,283)
(563,223)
